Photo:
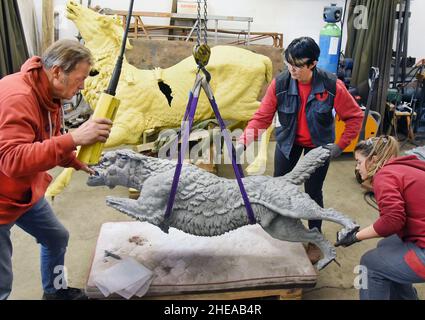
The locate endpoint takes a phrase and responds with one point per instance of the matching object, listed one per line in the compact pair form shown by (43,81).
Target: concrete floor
(82,210)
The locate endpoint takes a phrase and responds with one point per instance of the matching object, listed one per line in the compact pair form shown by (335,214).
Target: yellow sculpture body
(238,76)
(258,166)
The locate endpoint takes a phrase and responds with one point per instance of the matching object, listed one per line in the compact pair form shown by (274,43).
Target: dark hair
(300,49)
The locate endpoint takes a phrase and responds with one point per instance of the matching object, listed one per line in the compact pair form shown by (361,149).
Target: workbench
(243,263)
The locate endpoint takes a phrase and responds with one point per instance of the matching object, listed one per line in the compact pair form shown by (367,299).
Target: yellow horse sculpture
(238,76)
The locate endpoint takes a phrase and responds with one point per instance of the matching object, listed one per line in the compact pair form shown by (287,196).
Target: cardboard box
(189,7)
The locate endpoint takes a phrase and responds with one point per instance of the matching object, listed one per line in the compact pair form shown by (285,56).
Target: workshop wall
(293,18)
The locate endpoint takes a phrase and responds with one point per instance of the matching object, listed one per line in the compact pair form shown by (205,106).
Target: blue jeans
(40,222)
(389,274)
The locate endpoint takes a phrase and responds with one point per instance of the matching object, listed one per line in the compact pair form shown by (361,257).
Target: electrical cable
(342,33)
(369,198)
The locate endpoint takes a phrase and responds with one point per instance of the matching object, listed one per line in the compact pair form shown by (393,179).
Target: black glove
(334,149)
(239,150)
(348,240)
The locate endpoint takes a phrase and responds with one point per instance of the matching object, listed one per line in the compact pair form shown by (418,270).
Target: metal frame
(277,38)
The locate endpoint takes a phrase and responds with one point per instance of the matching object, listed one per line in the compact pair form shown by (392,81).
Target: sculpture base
(244,263)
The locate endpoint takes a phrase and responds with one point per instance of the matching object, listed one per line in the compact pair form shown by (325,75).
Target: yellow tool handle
(106,107)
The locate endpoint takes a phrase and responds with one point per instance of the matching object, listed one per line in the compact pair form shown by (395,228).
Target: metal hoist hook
(201,52)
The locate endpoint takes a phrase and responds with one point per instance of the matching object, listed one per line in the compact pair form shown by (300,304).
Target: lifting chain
(201,52)
(205,19)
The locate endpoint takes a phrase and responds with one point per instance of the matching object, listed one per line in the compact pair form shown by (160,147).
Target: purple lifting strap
(189,114)
(185,128)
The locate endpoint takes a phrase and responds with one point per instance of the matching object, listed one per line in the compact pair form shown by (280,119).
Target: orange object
(372,125)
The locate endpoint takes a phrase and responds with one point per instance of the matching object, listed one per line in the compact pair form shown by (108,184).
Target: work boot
(66,294)
(313,253)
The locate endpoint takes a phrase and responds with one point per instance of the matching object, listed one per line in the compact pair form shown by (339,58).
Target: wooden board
(277,294)
(243,263)
(148,54)
(47,24)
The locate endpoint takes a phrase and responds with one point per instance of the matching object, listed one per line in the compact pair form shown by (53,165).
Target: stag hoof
(329,255)
(344,232)
(324,262)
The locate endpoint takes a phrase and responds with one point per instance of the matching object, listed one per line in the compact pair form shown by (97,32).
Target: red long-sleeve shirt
(399,190)
(302,133)
(26,148)
(344,104)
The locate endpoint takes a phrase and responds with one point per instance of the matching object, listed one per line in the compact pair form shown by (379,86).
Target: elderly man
(30,144)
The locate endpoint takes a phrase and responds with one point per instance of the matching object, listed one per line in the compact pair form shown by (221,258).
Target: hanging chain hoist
(201,52)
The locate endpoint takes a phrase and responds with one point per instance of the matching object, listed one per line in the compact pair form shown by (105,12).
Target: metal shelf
(186,32)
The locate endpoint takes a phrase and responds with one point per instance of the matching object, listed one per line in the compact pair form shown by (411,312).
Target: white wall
(293,18)
(67,28)
(30,25)
(416,45)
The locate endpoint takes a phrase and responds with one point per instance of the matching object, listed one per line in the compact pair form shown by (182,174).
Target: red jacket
(399,190)
(26,149)
(344,104)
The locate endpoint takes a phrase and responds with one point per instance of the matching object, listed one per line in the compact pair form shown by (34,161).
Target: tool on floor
(107,105)
(112,255)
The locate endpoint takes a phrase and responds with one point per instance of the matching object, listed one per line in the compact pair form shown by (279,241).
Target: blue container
(330,47)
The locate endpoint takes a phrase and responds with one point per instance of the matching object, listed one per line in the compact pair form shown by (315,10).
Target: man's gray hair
(66,54)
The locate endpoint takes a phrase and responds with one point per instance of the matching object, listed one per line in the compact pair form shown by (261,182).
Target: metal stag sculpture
(208,205)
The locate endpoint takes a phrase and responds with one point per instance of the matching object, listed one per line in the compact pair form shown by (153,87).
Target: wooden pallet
(274,294)
(266,294)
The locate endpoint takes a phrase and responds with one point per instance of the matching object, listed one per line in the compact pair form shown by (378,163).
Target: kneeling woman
(398,261)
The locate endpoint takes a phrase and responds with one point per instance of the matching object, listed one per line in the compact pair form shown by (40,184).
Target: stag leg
(335,216)
(128,206)
(308,209)
(142,209)
(288,229)
(305,208)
